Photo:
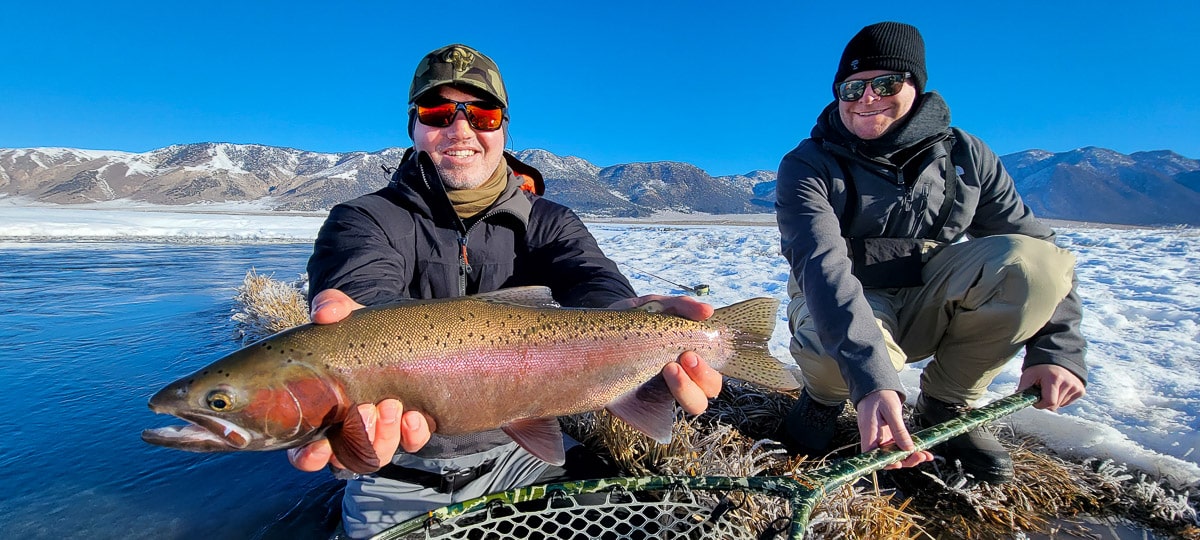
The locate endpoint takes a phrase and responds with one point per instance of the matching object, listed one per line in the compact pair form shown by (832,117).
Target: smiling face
(872,116)
(465,158)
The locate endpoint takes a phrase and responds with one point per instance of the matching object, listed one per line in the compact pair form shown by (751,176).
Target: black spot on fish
(268,346)
(384,345)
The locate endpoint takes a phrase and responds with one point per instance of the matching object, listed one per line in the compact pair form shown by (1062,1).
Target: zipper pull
(908,191)
(463,262)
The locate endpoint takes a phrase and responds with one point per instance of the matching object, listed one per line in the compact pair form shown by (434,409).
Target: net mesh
(674,512)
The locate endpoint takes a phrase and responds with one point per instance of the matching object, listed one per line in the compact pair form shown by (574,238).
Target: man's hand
(389,426)
(881,422)
(1059,386)
(691,380)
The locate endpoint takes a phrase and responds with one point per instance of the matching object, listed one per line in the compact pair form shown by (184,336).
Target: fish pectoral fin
(352,446)
(649,408)
(542,437)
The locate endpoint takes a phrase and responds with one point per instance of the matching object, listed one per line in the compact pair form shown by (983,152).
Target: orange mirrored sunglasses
(481,115)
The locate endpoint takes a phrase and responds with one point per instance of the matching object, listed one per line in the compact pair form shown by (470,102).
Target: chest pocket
(888,263)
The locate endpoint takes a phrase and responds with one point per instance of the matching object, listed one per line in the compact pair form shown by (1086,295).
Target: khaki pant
(982,300)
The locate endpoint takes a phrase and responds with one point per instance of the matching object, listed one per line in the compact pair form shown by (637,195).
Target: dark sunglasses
(480,115)
(883,85)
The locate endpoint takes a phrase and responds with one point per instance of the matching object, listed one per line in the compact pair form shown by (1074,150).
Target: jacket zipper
(464,262)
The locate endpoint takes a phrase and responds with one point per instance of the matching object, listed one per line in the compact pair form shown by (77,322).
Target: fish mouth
(203,434)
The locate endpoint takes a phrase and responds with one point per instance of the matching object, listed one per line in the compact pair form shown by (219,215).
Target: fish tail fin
(753,322)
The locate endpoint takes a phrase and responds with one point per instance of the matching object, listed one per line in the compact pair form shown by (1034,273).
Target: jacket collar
(929,119)
(418,182)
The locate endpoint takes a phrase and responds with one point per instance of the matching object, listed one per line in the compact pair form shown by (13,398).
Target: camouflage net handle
(689,514)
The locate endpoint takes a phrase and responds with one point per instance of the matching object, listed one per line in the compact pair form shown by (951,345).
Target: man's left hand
(691,380)
(1059,386)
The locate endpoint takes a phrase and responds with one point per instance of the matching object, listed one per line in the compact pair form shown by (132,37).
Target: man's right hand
(881,422)
(388,425)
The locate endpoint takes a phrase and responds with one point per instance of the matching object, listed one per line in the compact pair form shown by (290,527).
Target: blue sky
(727,86)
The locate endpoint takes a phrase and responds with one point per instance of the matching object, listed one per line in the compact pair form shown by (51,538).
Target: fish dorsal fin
(542,437)
(352,445)
(649,408)
(533,296)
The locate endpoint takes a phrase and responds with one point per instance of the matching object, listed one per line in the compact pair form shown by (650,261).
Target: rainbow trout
(510,359)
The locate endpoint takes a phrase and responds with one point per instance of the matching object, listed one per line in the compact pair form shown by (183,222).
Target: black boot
(981,455)
(808,428)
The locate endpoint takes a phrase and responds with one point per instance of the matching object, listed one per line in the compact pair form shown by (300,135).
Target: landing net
(634,508)
(675,507)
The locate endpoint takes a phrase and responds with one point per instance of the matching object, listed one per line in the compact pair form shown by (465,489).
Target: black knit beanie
(888,46)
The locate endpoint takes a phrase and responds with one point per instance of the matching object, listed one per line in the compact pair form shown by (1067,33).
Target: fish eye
(219,401)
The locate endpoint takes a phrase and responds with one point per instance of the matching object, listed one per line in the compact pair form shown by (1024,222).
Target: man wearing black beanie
(907,241)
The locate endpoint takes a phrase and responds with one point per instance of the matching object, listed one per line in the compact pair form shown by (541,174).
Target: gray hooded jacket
(899,181)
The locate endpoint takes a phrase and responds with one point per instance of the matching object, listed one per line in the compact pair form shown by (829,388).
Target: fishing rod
(698,290)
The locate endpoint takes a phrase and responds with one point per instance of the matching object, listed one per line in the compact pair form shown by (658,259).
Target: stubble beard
(454,178)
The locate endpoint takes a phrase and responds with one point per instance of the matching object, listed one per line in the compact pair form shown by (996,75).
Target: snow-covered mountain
(1095,184)
(1088,184)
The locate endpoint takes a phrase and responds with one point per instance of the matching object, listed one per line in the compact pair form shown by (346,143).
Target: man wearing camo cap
(462,216)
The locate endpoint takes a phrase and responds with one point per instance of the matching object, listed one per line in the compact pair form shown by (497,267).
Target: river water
(88,332)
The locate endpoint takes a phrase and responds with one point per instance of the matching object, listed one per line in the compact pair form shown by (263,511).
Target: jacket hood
(417,181)
(930,117)
(533,181)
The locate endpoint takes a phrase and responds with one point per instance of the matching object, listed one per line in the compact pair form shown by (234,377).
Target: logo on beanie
(460,58)
(854,64)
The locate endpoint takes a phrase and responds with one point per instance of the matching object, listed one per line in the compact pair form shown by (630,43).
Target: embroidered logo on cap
(460,58)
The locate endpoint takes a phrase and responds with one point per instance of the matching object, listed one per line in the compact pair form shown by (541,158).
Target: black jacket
(899,182)
(406,242)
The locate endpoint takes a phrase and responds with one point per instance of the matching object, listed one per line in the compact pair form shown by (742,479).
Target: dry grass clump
(266,305)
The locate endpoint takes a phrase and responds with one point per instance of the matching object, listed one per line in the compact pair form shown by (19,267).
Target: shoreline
(234,210)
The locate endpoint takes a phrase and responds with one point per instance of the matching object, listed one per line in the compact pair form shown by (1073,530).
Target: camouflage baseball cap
(458,64)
